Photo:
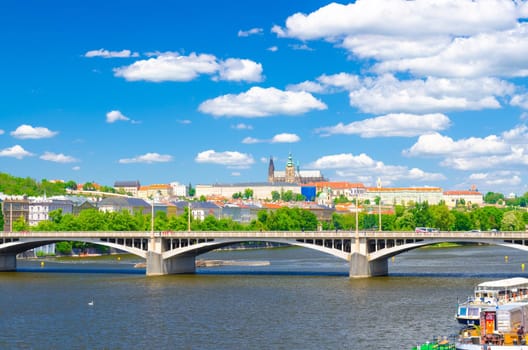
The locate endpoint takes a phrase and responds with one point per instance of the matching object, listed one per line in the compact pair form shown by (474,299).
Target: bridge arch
(202,248)
(387,253)
(20,246)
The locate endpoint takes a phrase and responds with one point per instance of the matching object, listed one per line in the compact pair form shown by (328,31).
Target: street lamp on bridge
(379,202)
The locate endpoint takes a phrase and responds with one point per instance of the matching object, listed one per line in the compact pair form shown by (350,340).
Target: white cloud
(279,138)
(508,149)
(352,167)
(520,101)
(240,70)
(185,121)
(231,159)
(496,179)
(402,125)
(388,94)
(273,48)
(242,126)
(15,152)
(487,54)
(400,18)
(435,144)
(58,158)
(456,38)
(262,102)
(329,83)
(285,138)
(29,132)
(147,158)
(235,173)
(76,168)
(251,140)
(171,66)
(252,31)
(111,54)
(113,116)
(1,132)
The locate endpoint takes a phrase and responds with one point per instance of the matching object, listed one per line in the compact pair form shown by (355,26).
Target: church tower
(290,170)
(271,171)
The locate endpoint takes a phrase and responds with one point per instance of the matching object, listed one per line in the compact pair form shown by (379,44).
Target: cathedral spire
(271,170)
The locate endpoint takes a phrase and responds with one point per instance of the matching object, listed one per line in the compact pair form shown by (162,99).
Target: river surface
(301,300)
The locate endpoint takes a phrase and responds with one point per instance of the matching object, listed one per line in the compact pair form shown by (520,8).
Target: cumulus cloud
(487,54)
(16,151)
(171,66)
(273,48)
(261,102)
(390,125)
(252,31)
(58,158)
(495,179)
(279,138)
(1,132)
(148,158)
(113,116)
(240,70)
(354,167)
(507,149)
(440,145)
(388,94)
(520,100)
(29,132)
(110,54)
(328,83)
(285,138)
(231,159)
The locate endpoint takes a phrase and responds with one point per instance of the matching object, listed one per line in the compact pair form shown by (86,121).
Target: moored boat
(491,294)
(501,328)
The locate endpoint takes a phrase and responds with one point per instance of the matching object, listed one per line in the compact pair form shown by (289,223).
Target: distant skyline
(416,93)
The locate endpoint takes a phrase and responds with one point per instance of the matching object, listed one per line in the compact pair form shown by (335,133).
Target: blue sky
(417,93)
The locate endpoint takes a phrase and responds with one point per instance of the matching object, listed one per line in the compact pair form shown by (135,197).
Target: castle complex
(292,174)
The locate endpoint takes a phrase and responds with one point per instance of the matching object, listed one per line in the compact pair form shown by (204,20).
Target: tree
(20,224)
(493,198)
(443,219)
(462,221)
(248,193)
(275,195)
(512,221)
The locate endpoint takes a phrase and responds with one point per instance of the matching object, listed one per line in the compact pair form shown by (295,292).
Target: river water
(301,300)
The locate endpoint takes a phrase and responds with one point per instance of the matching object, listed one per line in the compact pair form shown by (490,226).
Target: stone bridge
(171,252)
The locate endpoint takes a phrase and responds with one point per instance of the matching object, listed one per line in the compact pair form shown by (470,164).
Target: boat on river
(501,328)
(491,294)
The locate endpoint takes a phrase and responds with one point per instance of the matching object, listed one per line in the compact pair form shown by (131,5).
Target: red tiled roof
(462,193)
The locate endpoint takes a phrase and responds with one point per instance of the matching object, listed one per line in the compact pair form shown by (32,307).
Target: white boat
(490,294)
(502,328)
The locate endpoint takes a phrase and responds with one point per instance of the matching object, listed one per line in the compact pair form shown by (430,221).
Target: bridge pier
(7,262)
(157,266)
(361,267)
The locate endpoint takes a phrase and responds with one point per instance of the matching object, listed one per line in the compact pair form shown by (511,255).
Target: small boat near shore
(491,294)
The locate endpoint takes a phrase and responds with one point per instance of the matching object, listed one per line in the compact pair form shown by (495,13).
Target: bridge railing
(269,234)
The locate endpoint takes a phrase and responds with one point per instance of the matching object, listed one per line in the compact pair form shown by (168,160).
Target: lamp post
(152,220)
(379,203)
(189,216)
(357,220)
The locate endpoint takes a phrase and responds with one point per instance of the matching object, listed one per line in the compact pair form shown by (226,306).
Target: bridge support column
(360,267)
(7,262)
(157,266)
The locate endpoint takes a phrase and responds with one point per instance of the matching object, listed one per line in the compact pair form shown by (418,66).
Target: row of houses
(322,192)
(35,210)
